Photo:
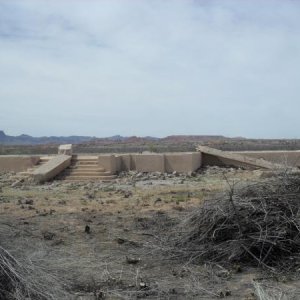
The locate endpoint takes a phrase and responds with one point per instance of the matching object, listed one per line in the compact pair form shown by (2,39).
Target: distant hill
(25,139)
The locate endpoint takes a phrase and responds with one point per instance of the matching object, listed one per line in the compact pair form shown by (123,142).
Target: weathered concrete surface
(182,162)
(212,156)
(125,162)
(110,162)
(170,162)
(65,149)
(149,162)
(286,158)
(17,163)
(51,168)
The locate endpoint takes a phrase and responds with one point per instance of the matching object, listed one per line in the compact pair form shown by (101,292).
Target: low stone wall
(17,163)
(110,162)
(160,162)
(169,162)
(126,163)
(149,162)
(182,162)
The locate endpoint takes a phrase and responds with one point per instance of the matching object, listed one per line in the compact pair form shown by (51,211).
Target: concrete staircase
(28,172)
(86,168)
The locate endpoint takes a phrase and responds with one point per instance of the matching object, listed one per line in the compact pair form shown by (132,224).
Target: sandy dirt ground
(102,240)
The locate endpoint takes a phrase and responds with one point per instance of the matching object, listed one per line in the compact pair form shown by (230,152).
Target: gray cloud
(150,67)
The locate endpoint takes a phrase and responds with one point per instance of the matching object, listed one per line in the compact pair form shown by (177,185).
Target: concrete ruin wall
(149,162)
(51,168)
(169,162)
(288,158)
(217,157)
(182,162)
(17,163)
(110,162)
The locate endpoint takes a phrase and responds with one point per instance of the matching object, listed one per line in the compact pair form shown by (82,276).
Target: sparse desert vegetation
(147,236)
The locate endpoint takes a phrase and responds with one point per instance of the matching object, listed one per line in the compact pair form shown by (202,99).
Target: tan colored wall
(289,158)
(110,162)
(196,161)
(182,162)
(149,162)
(17,163)
(118,164)
(51,168)
(126,162)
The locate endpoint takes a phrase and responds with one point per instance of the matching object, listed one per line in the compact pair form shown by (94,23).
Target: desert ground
(95,240)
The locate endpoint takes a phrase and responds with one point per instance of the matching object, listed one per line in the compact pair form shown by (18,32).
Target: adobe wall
(166,162)
(149,162)
(169,162)
(17,163)
(126,163)
(289,158)
(182,162)
(110,162)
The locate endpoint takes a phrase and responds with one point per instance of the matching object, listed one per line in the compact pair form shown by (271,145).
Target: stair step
(85,157)
(84,178)
(87,173)
(88,167)
(87,163)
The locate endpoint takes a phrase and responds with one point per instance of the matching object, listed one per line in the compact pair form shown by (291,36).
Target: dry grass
(268,291)
(24,280)
(257,224)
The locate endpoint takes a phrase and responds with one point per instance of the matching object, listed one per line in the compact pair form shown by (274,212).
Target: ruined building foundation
(105,166)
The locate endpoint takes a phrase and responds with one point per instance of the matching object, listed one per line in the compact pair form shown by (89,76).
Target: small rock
(120,241)
(29,201)
(127,194)
(48,235)
(157,200)
(178,208)
(139,175)
(132,260)
(143,285)
(225,293)
(17,183)
(87,229)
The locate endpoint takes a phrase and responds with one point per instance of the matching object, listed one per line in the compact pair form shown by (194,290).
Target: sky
(150,67)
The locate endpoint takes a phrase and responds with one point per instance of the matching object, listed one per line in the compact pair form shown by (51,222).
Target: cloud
(150,67)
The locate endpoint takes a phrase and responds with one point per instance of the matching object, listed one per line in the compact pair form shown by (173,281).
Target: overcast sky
(150,67)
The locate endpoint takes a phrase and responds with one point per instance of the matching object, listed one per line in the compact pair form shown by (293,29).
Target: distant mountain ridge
(25,139)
